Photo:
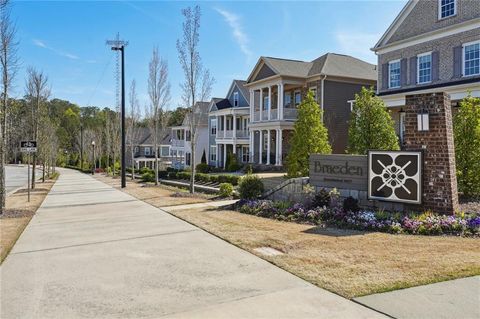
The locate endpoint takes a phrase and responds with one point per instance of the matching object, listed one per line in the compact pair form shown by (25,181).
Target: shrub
(145,170)
(171,169)
(203,168)
(184,175)
(321,199)
(232,163)
(172,175)
(162,174)
(248,169)
(350,204)
(250,187)
(148,177)
(226,190)
(202,177)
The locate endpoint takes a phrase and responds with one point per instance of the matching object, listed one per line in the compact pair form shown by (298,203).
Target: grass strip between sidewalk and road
(18,213)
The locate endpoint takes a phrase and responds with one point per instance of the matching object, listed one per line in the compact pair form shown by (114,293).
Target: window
(136,149)
(213,129)
(287,98)
(235,98)
(213,153)
(266,105)
(245,154)
(187,159)
(447,8)
(471,59)
(298,98)
(424,68)
(394,74)
(188,136)
(245,124)
(164,151)
(147,151)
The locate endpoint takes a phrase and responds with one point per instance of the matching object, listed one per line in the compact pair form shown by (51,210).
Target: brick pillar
(439,177)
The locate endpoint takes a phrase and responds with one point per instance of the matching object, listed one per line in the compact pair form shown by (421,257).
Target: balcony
(229,134)
(290,114)
(178,143)
(256,116)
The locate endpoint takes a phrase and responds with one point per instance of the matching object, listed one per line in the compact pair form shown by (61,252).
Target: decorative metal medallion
(395,176)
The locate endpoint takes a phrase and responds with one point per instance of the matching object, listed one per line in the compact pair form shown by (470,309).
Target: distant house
(431,46)
(181,142)
(276,88)
(228,126)
(144,150)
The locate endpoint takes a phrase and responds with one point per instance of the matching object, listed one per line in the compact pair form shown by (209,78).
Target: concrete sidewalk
(95,252)
(452,299)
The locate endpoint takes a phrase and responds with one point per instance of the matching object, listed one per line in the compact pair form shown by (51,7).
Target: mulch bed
(16,213)
(470,205)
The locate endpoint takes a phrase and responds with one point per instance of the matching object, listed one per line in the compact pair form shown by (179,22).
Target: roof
(145,137)
(202,108)
(221,103)
(330,64)
(241,85)
(395,24)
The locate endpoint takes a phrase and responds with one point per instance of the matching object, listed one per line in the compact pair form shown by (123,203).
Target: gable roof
(395,24)
(241,87)
(145,137)
(332,64)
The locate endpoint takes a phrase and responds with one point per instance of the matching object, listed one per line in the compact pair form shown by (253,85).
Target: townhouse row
(432,46)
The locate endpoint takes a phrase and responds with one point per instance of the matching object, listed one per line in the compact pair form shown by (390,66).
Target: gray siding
(337,112)
(445,48)
(242,102)
(264,72)
(211,140)
(424,18)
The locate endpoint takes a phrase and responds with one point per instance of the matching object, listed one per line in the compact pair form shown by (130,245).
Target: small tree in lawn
(371,126)
(466,128)
(309,136)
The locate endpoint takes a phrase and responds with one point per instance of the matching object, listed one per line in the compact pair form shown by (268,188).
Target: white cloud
(41,44)
(240,36)
(357,44)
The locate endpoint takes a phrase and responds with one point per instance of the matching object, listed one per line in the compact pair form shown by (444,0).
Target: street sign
(28,146)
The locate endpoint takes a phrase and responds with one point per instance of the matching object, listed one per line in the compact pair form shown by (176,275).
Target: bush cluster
(250,187)
(226,190)
(206,178)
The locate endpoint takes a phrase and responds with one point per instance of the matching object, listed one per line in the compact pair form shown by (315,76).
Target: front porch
(269,146)
(240,151)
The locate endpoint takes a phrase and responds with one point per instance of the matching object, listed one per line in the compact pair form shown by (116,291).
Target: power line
(99,80)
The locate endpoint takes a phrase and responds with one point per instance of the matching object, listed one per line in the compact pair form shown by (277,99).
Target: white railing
(242,134)
(220,133)
(256,116)
(265,115)
(289,113)
(228,134)
(178,143)
(274,114)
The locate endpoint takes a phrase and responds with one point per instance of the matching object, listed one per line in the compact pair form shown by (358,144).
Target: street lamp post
(94,163)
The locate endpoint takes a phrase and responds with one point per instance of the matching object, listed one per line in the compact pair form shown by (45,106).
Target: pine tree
(371,126)
(309,136)
(466,128)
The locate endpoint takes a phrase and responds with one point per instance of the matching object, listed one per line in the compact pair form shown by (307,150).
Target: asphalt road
(16,176)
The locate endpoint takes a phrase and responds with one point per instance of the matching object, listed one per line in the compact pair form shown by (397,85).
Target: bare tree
(37,93)
(132,128)
(9,64)
(198,82)
(159,93)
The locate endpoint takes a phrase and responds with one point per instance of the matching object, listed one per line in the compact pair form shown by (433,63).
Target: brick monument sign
(428,127)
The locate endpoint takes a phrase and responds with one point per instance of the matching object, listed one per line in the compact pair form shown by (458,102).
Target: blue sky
(67,39)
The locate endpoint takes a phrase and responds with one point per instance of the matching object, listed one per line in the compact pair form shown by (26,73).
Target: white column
(261,104)
(277,153)
(260,147)
(218,126)
(217,155)
(280,98)
(268,146)
(224,155)
(269,102)
(252,106)
(251,149)
(224,125)
(280,145)
(234,126)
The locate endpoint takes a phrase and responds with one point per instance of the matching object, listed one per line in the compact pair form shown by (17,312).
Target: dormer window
(446,8)
(235,99)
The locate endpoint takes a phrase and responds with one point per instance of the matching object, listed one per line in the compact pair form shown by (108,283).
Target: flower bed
(465,224)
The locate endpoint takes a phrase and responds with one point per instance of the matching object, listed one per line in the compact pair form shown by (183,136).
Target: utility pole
(119,45)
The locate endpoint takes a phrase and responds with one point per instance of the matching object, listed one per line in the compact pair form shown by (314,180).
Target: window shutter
(384,76)
(403,72)
(435,65)
(457,62)
(413,70)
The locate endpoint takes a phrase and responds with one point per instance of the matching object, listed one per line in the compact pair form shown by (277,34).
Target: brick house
(276,88)
(432,46)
